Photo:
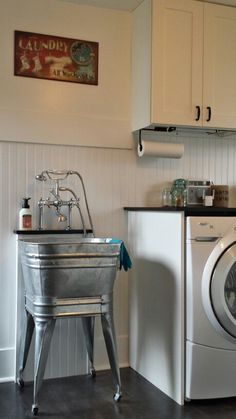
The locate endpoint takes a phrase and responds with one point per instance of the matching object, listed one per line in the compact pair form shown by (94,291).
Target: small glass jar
(166,198)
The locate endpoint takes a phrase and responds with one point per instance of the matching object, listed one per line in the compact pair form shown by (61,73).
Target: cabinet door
(177,47)
(219,66)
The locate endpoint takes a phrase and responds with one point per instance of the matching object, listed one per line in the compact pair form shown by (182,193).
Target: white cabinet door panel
(220,66)
(177,61)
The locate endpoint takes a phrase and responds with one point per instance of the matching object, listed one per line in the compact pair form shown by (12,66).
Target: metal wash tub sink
(67,277)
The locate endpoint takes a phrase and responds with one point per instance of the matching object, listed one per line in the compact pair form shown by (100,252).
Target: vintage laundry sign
(55,58)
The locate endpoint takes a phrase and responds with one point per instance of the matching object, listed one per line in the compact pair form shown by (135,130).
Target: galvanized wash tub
(67,277)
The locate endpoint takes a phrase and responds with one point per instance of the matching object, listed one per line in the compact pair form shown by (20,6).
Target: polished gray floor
(86,398)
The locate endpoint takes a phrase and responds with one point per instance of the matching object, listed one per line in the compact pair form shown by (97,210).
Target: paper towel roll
(153,148)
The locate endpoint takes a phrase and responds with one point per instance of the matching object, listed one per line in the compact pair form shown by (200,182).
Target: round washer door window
(223,290)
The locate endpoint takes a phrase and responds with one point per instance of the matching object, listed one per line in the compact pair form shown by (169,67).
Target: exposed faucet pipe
(57,175)
(85,197)
(50,174)
(63,189)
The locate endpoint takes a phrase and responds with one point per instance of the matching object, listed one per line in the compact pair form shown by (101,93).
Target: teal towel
(125,261)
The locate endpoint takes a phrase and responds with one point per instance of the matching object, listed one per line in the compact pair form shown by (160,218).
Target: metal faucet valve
(55,201)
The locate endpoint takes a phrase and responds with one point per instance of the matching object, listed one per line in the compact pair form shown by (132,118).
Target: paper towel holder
(154,129)
(155,148)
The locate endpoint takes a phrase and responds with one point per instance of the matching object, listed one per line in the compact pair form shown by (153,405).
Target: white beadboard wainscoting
(113,178)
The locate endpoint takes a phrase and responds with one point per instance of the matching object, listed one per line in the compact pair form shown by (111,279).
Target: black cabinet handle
(209,113)
(198,113)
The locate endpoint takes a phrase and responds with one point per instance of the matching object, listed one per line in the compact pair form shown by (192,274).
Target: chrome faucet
(55,201)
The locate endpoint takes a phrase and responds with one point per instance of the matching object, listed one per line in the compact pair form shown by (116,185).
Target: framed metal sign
(55,58)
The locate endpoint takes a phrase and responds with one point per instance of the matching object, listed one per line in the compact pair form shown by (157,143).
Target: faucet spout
(61,217)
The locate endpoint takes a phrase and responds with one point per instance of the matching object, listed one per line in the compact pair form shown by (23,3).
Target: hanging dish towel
(125,261)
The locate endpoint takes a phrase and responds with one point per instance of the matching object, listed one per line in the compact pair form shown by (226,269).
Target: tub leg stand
(88,328)
(110,340)
(25,345)
(44,330)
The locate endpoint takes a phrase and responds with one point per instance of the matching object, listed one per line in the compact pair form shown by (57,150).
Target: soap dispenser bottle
(25,215)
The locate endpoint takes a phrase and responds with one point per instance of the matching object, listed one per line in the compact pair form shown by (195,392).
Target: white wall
(59,112)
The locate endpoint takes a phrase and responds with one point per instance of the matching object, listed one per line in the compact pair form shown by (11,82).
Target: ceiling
(132,4)
(110,4)
(226,2)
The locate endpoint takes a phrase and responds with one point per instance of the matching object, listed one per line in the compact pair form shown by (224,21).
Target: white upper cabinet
(184,64)
(219,75)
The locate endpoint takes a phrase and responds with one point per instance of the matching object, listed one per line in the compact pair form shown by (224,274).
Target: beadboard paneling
(113,179)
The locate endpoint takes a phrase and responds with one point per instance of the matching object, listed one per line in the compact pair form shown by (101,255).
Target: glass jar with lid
(179,193)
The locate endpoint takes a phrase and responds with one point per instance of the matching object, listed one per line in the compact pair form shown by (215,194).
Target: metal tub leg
(25,345)
(110,340)
(43,334)
(88,328)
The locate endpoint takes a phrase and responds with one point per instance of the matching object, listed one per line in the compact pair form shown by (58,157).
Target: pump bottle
(25,215)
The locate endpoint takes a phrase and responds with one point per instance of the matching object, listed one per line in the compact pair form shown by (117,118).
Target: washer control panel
(208,228)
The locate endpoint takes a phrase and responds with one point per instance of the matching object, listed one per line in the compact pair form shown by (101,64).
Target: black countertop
(31,232)
(191,211)
(188,211)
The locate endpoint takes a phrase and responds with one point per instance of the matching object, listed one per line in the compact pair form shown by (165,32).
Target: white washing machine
(210,307)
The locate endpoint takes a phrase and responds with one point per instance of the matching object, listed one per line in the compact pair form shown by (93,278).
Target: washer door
(223,290)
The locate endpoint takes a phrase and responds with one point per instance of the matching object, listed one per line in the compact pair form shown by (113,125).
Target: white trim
(7,357)
(7,379)
(103,367)
(10,348)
